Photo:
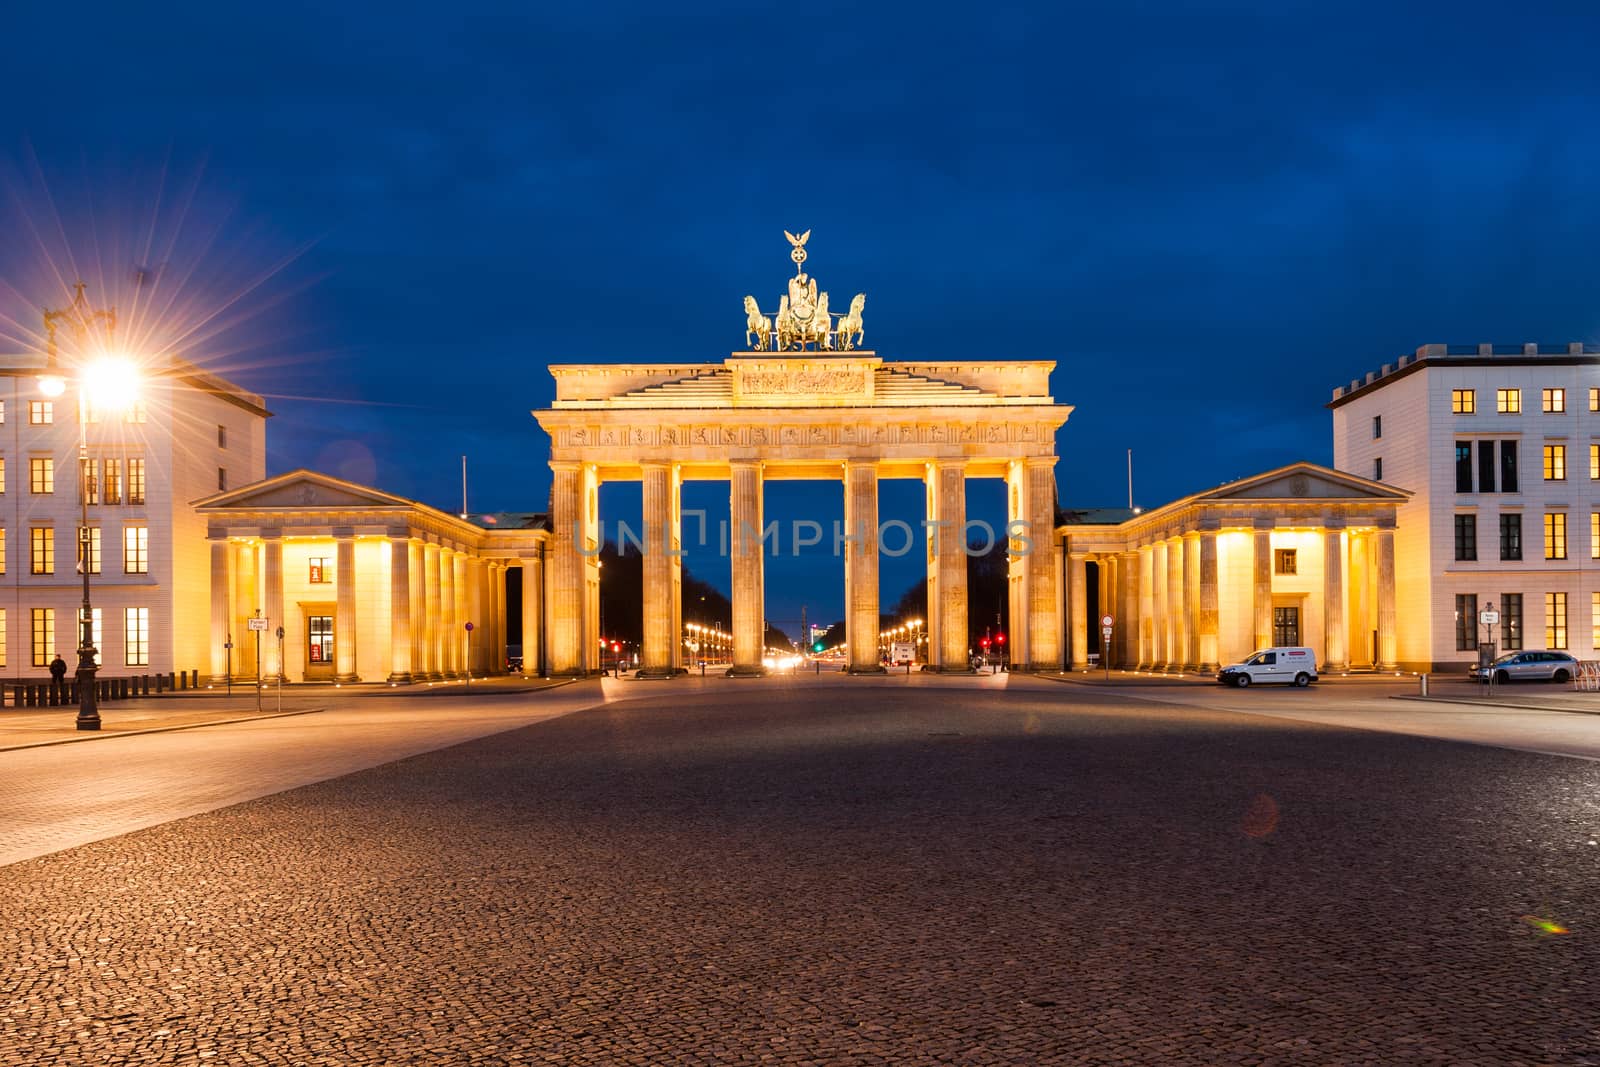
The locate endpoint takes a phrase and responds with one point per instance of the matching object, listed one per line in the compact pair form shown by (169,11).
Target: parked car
(1528,667)
(1290,666)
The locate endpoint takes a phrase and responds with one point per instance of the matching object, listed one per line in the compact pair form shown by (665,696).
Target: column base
(399,679)
(738,670)
(876,668)
(1335,668)
(218,681)
(1387,667)
(346,679)
(1209,668)
(658,672)
(939,668)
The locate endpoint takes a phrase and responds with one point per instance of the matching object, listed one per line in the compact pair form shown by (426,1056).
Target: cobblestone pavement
(841,873)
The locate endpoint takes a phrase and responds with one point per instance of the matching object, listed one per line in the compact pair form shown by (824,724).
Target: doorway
(319,643)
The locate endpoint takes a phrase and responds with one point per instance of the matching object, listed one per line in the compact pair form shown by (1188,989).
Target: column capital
(1333,524)
(1264,525)
(1037,462)
(344,533)
(566,466)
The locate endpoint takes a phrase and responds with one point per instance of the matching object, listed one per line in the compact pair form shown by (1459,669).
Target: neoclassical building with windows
(1303,555)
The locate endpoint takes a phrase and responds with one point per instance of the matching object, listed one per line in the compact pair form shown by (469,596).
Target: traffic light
(1001,639)
(817,647)
(985,644)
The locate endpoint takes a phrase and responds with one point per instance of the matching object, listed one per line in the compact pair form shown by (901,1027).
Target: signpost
(258,626)
(469,655)
(280,668)
(1487,617)
(229,647)
(1107,622)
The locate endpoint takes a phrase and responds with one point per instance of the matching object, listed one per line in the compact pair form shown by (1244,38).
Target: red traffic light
(1001,639)
(984,642)
(615,647)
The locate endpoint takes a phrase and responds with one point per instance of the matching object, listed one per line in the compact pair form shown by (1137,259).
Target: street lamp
(108,383)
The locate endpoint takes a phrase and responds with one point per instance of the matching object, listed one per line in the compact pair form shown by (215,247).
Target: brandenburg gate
(803,401)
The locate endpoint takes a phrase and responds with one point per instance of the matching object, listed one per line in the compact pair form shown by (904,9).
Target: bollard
(1423,678)
(161,683)
(194,679)
(144,685)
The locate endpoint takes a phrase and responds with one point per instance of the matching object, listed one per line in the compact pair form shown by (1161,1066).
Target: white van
(903,653)
(1292,666)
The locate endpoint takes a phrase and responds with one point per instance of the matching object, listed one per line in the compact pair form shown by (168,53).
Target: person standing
(58,679)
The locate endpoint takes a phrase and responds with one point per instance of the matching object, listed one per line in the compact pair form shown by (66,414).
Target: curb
(1491,704)
(98,736)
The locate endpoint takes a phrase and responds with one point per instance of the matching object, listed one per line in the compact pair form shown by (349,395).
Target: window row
(42,550)
(1489,469)
(43,413)
(1509,402)
(111,481)
(1555,535)
(1469,631)
(135,637)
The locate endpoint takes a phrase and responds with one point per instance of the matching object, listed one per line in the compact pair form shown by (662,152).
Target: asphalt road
(880,871)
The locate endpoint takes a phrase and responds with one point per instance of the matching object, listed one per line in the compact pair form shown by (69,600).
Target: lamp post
(114,381)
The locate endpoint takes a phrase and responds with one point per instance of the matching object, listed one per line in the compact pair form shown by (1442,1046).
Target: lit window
(1553,401)
(1508,401)
(136,637)
(135,550)
(42,474)
(1466,621)
(41,412)
(3,637)
(113,482)
(1594,402)
(1463,401)
(321,570)
(1285,561)
(96,636)
(44,636)
(2,554)
(89,535)
(137,412)
(1555,463)
(1555,535)
(43,543)
(136,481)
(1555,620)
(89,481)
(1594,535)
(2,474)
(1594,617)
(3,422)
(1466,537)
(1594,464)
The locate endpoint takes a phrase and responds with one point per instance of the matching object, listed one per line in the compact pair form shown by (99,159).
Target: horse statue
(788,329)
(756,325)
(850,331)
(817,330)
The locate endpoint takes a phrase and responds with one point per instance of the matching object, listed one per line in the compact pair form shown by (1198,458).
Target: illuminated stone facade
(849,417)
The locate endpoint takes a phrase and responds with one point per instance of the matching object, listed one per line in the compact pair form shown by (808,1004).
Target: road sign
(258,624)
(1488,618)
(1105,631)
(1106,622)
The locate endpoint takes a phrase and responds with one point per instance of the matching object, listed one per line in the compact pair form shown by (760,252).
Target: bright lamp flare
(52,385)
(111,383)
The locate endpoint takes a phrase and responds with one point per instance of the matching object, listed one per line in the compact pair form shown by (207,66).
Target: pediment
(303,489)
(1305,481)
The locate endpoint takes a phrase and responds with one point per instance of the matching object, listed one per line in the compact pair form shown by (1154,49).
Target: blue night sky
(390,218)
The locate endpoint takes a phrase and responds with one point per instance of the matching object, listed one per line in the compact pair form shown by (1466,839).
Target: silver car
(1528,667)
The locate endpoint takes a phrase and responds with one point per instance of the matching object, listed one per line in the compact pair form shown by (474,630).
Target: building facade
(1303,555)
(1500,448)
(188,433)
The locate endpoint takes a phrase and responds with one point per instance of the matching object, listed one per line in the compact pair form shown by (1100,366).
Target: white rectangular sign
(257,624)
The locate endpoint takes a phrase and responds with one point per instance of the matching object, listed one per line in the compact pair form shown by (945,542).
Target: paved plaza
(804,870)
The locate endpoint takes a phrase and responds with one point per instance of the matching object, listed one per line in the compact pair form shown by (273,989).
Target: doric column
(497,662)
(1175,605)
(399,607)
(245,601)
(948,615)
(1333,632)
(659,634)
(532,615)
(1387,652)
(272,650)
(473,641)
(463,592)
(1191,601)
(448,666)
(1043,648)
(432,596)
(566,563)
(1161,610)
(1147,647)
(861,565)
(1261,598)
(344,621)
(1078,605)
(1362,654)
(221,581)
(1208,601)
(414,567)
(1106,598)
(745,517)
(1127,632)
